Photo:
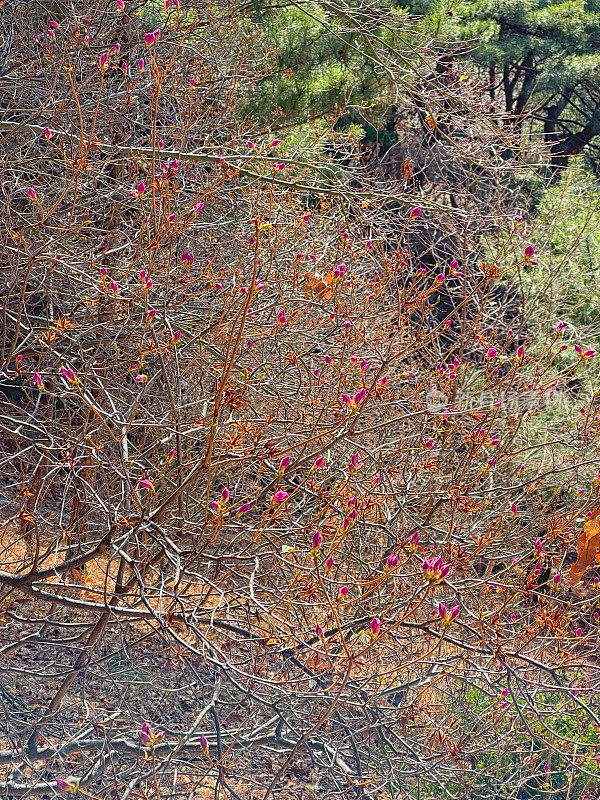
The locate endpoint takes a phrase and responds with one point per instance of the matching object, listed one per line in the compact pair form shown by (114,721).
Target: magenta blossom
(284,464)
(435,570)
(279,497)
(392,561)
(317,540)
(375,626)
(448,616)
(319,461)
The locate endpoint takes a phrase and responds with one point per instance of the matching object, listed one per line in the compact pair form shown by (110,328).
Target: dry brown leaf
(587,546)
(317,286)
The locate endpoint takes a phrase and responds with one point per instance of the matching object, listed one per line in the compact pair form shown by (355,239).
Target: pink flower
(37,379)
(198,208)
(491,353)
(513,509)
(392,561)
(279,497)
(141,64)
(538,546)
(140,188)
(70,785)
(281,317)
(120,5)
(529,251)
(283,465)
(448,616)
(149,39)
(188,257)
(146,483)
(31,193)
(319,461)
(204,744)
(319,630)
(414,542)
(556,579)
(588,354)
(560,326)
(177,336)
(355,464)
(344,592)
(275,142)
(415,212)
(435,570)
(114,287)
(103,62)
(68,373)
(329,564)
(47,133)
(428,444)
(317,540)
(148,737)
(578,632)
(375,626)
(520,352)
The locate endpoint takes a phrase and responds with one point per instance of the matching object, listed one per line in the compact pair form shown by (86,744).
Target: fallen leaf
(587,546)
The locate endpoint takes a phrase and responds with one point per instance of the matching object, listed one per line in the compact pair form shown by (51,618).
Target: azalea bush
(275,510)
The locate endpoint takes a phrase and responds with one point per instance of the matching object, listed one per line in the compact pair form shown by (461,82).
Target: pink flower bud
(279,497)
(560,326)
(319,461)
(344,592)
(31,193)
(491,353)
(375,626)
(146,483)
(281,317)
(68,373)
(317,539)
(284,464)
(415,212)
(149,39)
(556,579)
(520,351)
(392,561)
(225,494)
(329,564)
(275,142)
(204,744)
(319,630)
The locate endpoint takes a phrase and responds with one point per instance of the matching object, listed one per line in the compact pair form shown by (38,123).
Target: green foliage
(322,61)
